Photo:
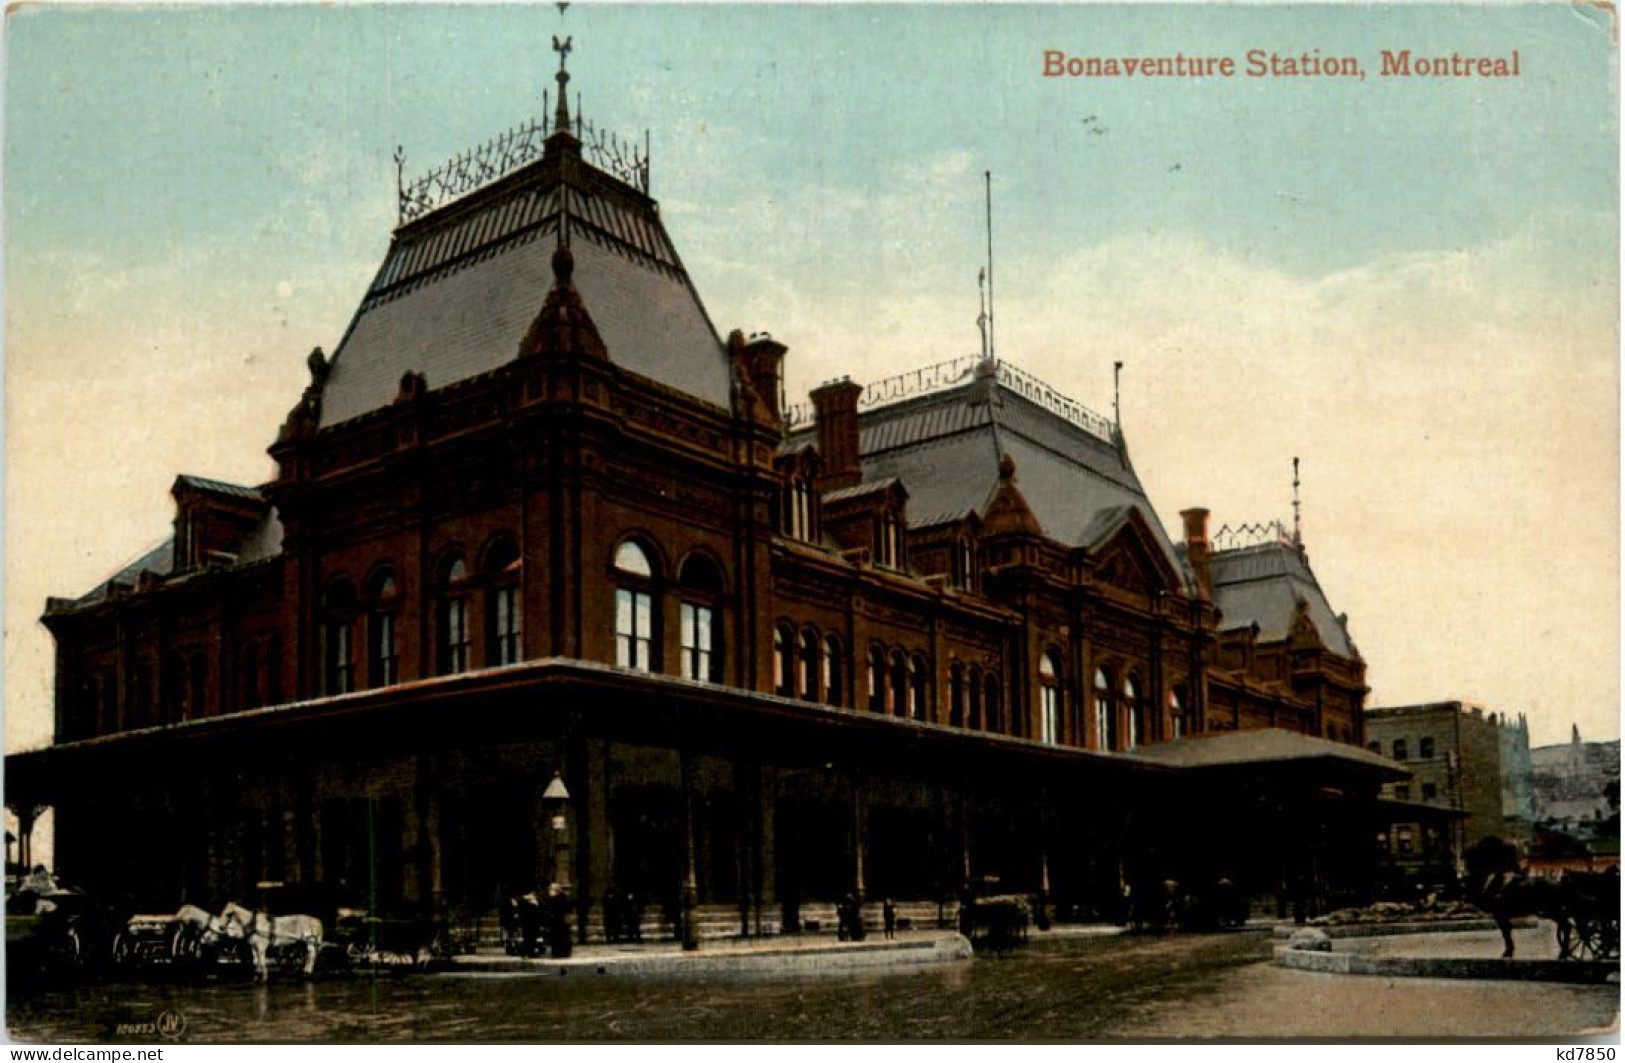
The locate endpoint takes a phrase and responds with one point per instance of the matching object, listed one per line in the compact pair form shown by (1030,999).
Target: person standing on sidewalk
(888,915)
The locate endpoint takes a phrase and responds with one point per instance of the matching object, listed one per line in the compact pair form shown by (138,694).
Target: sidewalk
(791,953)
(1472,954)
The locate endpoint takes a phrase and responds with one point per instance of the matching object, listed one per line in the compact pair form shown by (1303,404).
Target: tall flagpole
(987,175)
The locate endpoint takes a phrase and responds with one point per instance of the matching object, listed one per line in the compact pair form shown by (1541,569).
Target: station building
(551,584)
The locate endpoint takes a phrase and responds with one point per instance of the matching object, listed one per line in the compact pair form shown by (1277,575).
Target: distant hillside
(1570,780)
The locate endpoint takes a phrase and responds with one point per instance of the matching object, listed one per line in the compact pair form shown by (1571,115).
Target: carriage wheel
(123,949)
(1594,942)
(65,950)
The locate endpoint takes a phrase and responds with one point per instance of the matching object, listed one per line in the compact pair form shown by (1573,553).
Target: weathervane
(561,116)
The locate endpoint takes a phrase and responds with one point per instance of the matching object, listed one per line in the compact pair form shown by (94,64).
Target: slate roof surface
(459,289)
(1261,746)
(1263,584)
(220,487)
(945,448)
(160,561)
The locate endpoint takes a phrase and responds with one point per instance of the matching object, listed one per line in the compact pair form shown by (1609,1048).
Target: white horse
(195,930)
(265,933)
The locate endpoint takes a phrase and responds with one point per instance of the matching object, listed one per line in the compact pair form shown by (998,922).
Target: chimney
(1197,548)
(759,364)
(835,407)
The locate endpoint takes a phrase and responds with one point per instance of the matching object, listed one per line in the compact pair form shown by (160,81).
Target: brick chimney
(835,407)
(758,363)
(1197,549)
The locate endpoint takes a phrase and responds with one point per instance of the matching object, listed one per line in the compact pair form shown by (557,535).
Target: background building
(1457,793)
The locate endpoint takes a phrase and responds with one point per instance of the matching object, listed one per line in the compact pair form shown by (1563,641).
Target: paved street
(1078,988)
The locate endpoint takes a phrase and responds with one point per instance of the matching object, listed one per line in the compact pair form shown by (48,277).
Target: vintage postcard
(922,523)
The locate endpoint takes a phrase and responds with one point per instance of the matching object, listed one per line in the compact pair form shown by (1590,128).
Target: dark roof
(872,487)
(159,560)
(219,487)
(459,288)
(1263,585)
(1262,746)
(945,447)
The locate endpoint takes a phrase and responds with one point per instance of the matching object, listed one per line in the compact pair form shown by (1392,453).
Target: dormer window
(964,564)
(889,540)
(798,509)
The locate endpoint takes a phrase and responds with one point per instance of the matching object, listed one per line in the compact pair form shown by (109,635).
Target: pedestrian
(888,915)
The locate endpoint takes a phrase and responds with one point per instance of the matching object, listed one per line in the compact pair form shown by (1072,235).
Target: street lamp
(556,804)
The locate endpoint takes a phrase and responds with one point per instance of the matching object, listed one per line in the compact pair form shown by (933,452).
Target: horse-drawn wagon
(1592,907)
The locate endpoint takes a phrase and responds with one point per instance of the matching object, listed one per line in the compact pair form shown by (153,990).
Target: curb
(1578,971)
(1283,931)
(835,957)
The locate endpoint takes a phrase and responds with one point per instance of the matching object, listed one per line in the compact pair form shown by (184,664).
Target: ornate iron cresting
(1244,535)
(944,376)
(507,152)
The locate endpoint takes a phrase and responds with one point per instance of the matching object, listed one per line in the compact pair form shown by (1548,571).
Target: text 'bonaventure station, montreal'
(551,585)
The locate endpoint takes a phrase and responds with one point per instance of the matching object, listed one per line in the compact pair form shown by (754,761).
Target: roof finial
(1117,395)
(561,116)
(981,317)
(1297,507)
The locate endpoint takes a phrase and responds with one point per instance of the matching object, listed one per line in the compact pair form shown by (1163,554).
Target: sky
(1409,283)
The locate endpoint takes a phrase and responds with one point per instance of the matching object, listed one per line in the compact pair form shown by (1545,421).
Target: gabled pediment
(1128,558)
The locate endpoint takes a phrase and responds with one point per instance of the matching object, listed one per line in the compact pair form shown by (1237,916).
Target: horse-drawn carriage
(1584,905)
(1592,907)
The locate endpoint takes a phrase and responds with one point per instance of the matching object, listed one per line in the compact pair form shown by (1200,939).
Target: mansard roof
(1265,584)
(460,287)
(946,448)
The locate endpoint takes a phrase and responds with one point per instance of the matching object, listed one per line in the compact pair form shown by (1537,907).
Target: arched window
(451,629)
(701,589)
(799,513)
(1176,714)
(811,666)
(956,695)
(990,703)
(109,705)
(834,672)
(877,679)
(200,684)
(916,687)
(338,638)
(1134,710)
(634,609)
(140,696)
(503,615)
(784,661)
(1049,698)
(250,677)
(973,718)
(1105,712)
(383,660)
(898,702)
(173,687)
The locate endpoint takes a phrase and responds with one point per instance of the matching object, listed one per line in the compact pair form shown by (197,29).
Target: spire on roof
(561,114)
(1297,508)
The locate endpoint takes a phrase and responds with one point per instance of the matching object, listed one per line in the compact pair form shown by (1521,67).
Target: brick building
(1457,794)
(535,519)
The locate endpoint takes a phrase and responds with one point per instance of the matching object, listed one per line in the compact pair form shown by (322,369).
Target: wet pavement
(1079,988)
